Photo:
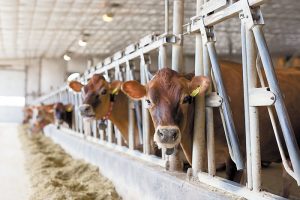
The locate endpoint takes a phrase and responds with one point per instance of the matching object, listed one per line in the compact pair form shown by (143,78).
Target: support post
(253,112)
(198,153)
(246,105)
(145,112)
(210,133)
(177,50)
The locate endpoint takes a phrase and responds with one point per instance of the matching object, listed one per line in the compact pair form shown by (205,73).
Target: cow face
(28,112)
(97,96)
(60,112)
(168,96)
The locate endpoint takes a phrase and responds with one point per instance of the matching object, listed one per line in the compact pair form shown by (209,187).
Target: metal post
(210,134)
(281,110)
(253,112)
(145,112)
(118,76)
(246,105)
(177,50)
(109,132)
(233,143)
(198,154)
(166,16)
(131,121)
(162,57)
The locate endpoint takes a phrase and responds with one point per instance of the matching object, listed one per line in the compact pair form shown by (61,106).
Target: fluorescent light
(73,77)
(82,43)
(108,17)
(67,57)
(12,101)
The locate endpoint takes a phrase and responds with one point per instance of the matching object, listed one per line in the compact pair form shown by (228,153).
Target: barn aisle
(14,182)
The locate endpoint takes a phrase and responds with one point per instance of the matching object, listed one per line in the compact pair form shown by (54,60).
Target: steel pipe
(177,50)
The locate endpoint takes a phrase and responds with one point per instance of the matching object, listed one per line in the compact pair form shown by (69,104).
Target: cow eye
(148,102)
(104,92)
(187,99)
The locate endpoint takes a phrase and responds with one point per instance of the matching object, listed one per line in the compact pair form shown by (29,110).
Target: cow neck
(119,113)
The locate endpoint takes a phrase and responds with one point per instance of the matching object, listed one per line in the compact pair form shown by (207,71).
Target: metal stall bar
(109,130)
(198,153)
(246,104)
(118,76)
(131,141)
(177,50)
(162,53)
(230,132)
(145,112)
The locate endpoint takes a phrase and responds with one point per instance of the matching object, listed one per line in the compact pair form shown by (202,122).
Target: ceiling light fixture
(67,56)
(82,42)
(108,17)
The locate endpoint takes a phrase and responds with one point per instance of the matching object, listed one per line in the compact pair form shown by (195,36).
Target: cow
(103,101)
(28,112)
(63,114)
(42,116)
(169,97)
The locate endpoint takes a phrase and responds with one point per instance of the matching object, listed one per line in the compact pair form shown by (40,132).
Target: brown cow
(28,112)
(63,114)
(42,116)
(104,100)
(168,93)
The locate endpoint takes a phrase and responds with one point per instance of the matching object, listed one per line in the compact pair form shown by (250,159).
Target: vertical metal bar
(162,57)
(109,132)
(253,112)
(145,112)
(246,105)
(232,136)
(198,153)
(166,16)
(281,110)
(118,76)
(210,134)
(131,122)
(177,50)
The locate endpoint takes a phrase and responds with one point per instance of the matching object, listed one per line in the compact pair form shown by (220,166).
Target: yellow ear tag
(196,91)
(69,109)
(115,91)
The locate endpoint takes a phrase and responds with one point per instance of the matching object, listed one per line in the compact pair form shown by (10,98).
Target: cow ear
(134,90)
(76,86)
(115,87)
(198,85)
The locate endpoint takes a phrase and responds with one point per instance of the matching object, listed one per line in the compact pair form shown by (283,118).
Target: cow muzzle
(167,137)
(86,111)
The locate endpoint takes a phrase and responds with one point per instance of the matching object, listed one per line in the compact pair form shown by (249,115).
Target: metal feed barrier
(122,66)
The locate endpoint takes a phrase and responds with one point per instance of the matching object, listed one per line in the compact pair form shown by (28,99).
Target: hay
(56,175)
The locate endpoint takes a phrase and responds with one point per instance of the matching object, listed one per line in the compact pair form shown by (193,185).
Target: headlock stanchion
(208,14)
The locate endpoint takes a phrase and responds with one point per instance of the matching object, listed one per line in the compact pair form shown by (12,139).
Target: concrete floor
(14,181)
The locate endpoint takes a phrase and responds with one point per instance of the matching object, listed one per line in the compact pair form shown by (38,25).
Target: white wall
(12,84)
(53,74)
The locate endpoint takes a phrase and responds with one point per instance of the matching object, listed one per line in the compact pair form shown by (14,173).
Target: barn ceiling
(35,28)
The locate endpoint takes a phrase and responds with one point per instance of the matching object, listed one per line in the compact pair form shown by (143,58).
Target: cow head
(28,112)
(97,95)
(168,96)
(61,110)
